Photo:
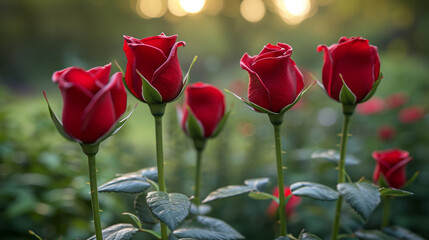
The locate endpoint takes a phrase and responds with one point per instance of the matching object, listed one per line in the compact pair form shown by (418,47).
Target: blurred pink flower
(372,106)
(411,114)
(396,100)
(386,132)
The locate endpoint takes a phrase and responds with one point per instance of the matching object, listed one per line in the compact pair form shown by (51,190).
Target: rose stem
(386,211)
(91,151)
(282,213)
(199,147)
(341,171)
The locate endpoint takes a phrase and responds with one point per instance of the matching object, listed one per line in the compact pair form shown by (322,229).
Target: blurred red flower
(293,202)
(372,106)
(411,114)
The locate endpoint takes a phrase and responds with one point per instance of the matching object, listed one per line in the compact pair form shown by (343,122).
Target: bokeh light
(293,11)
(151,8)
(192,6)
(252,10)
(175,8)
(213,7)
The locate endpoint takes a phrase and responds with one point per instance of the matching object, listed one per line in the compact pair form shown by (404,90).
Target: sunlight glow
(293,11)
(192,6)
(175,8)
(252,10)
(150,8)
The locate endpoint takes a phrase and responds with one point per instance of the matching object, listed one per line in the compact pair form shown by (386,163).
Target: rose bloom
(391,164)
(356,61)
(396,100)
(92,104)
(411,114)
(156,59)
(372,106)
(294,201)
(274,79)
(207,103)
(386,132)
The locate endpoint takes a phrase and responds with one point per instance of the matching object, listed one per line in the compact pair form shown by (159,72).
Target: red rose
(155,58)
(92,103)
(391,163)
(386,132)
(207,104)
(411,114)
(275,81)
(289,208)
(354,62)
(374,105)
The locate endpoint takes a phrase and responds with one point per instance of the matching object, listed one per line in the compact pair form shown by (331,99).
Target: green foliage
(361,196)
(126,184)
(394,192)
(314,190)
(118,232)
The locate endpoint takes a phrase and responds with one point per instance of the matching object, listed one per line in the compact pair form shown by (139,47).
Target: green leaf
(200,210)
(263,196)
(120,231)
(346,95)
(333,156)
(171,208)
(153,233)
(225,192)
(394,192)
(314,190)
(257,183)
(206,228)
(58,124)
(185,79)
(221,124)
(362,197)
(372,235)
(125,184)
(402,233)
(308,236)
(194,126)
(283,238)
(134,218)
(150,94)
(143,211)
(150,173)
(374,88)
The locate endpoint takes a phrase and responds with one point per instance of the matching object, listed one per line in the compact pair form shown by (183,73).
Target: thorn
(284,168)
(87,183)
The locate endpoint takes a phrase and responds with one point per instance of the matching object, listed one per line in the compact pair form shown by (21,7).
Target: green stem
(281,209)
(341,173)
(198,177)
(94,195)
(386,211)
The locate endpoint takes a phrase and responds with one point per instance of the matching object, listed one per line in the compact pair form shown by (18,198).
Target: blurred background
(43,178)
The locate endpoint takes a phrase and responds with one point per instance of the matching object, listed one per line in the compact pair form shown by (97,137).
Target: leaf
(263,196)
(206,228)
(374,88)
(333,156)
(346,95)
(308,236)
(221,124)
(185,79)
(58,124)
(394,192)
(134,218)
(362,197)
(402,233)
(151,173)
(171,208)
(200,210)
(257,183)
(150,94)
(372,235)
(314,190)
(143,211)
(225,192)
(122,231)
(125,184)
(283,238)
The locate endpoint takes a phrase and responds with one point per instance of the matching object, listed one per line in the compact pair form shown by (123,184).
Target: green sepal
(412,179)
(346,95)
(134,218)
(185,79)
(297,98)
(221,124)
(374,88)
(194,126)
(58,124)
(394,192)
(252,106)
(150,94)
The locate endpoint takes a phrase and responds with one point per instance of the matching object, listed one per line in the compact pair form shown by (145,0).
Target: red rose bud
(396,100)
(391,164)
(275,82)
(386,133)
(92,104)
(289,208)
(411,114)
(203,113)
(351,70)
(153,63)
(372,106)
